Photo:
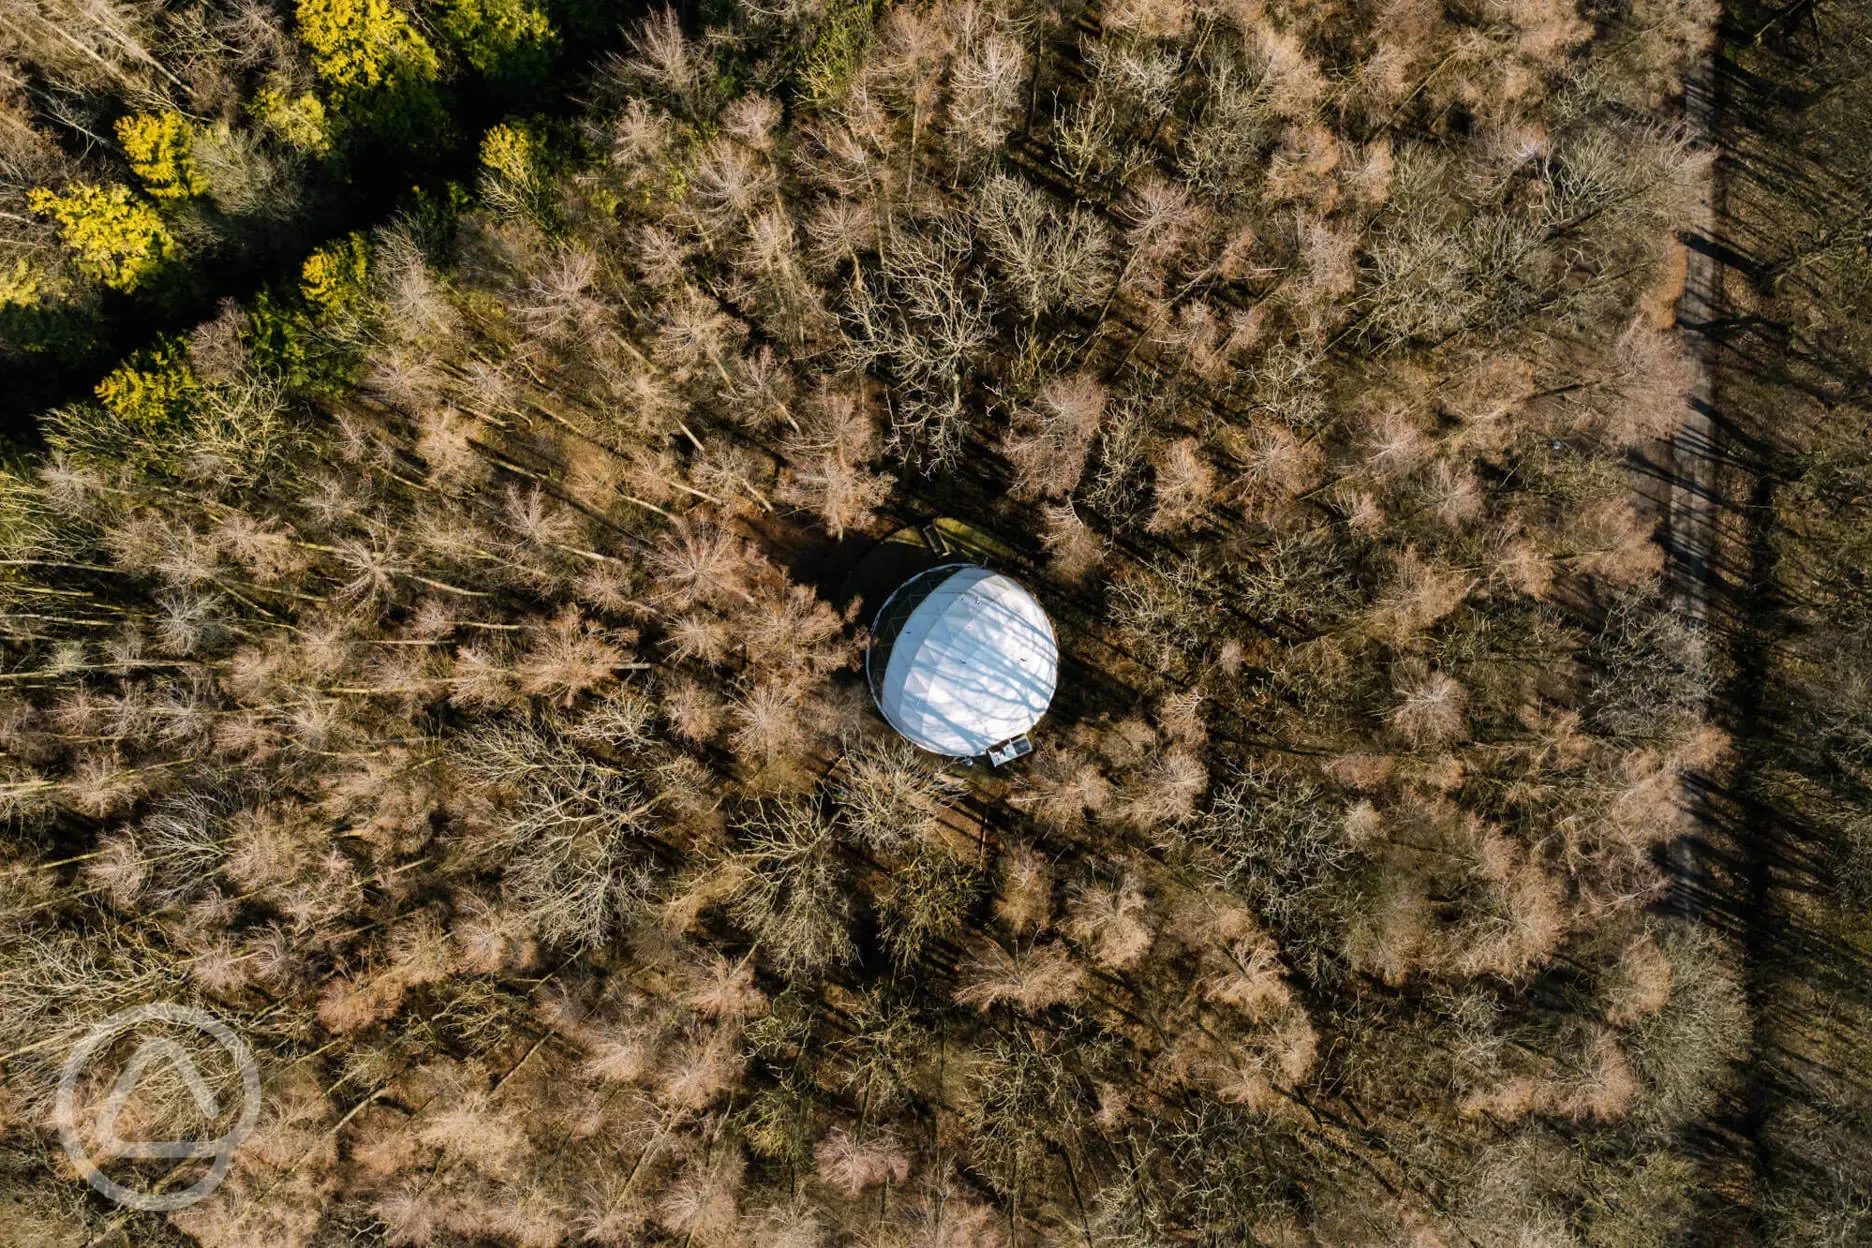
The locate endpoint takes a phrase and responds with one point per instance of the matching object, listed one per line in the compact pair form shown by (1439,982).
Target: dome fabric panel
(973,665)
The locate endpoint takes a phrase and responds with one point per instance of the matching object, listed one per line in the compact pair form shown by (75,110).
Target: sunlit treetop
(299,121)
(510,152)
(152,387)
(510,42)
(333,277)
(116,236)
(516,169)
(158,147)
(22,285)
(361,45)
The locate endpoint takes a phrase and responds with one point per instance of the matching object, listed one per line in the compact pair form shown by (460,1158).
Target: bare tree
(1185,485)
(1048,443)
(1034,978)
(1052,261)
(791,894)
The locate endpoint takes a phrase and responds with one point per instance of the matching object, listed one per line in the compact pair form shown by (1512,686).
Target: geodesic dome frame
(961,660)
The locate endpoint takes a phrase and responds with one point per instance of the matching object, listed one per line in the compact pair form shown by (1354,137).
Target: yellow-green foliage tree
(333,277)
(21,286)
(373,61)
(360,45)
(308,341)
(844,33)
(509,152)
(158,147)
(299,121)
(152,387)
(509,42)
(39,312)
(513,168)
(116,236)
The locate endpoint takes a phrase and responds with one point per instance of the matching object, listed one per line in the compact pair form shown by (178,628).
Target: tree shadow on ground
(1787,1148)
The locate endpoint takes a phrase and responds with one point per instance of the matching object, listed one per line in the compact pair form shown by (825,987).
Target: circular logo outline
(221,1148)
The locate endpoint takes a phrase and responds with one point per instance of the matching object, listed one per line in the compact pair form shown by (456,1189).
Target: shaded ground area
(913,548)
(1758,533)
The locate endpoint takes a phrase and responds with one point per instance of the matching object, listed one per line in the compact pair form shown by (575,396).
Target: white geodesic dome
(962,659)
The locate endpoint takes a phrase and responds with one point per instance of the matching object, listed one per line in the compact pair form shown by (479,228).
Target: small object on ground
(1008,751)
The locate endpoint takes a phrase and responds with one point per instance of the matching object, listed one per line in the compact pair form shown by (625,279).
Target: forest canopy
(430,659)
